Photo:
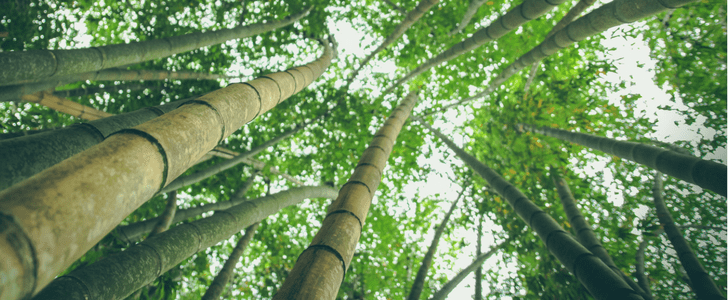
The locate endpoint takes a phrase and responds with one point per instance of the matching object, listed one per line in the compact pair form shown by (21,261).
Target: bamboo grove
(324,149)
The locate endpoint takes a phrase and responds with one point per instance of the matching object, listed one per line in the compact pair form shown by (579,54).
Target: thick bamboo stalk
(596,276)
(165,219)
(120,274)
(28,155)
(64,210)
(79,92)
(585,234)
(514,18)
(612,14)
(133,232)
(419,282)
(65,106)
(412,17)
(704,173)
(467,16)
(320,269)
(223,277)
(703,286)
(450,285)
(217,168)
(43,65)
(573,13)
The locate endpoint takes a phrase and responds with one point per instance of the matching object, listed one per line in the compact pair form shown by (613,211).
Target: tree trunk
(479,270)
(574,12)
(165,219)
(132,233)
(319,271)
(111,89)
(65,106)
(585,234)
(419,282)
(469,13)
(42,65)
(596,276)
(223,277)
(422,7)
(528,10)
(450,285)
(702,284)
(612,14)
(120,274)
(704,173)
(212,170)
(127,168)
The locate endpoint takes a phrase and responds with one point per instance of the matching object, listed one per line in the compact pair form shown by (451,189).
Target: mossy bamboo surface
(64,210)
(591,271)
(514,18)
(411,17)
(704,173)
(703,286)
(120,274)
(612,14)
(321,268)
(419,282)
(585,234)
(223,277)
(42,65)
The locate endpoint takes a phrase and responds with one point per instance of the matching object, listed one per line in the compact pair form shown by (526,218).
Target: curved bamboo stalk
(120,274)
(703,286)
(704,173)
(519,15)
(596,276)
(60,212)
(585,234)
(412,17)
(43,65)
(612,14)
(319,271)
(469,13)
(223,277)
(478,262)
(419,282)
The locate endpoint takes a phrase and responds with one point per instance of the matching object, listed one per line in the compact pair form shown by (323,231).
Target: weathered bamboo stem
(64,210)
(120,274)
(519,15)
(704,173)
(591,271)
(319,271)
(32,66)
(703,286)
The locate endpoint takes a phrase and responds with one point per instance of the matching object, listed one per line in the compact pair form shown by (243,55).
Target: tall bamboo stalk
(478,262)
(467,16)
(596,276)
(320,269)
(120,274)
(64,210)
(79,92)
(43,65)
(704,173)
(223,277)
(65,106)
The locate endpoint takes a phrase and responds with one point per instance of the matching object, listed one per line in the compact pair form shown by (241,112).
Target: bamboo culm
(514,18)
(320,269)
(127,168)
(32,66)
(703,286)
(120,274)
(704,173)
(419,282)
(450,285)
(165,219)
(223,277)
(596,276)
(467,16)
(111,89)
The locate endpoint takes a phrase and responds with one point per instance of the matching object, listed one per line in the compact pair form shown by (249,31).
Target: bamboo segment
(612,14)
(32,66)
(320,269)
(700,280)
(79,92)
(514,18)
(467,16)
(704,173)
(68,208)
(120,274)
(223,277)
(66,106)
(596,276)
(453,283)
(412,17)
